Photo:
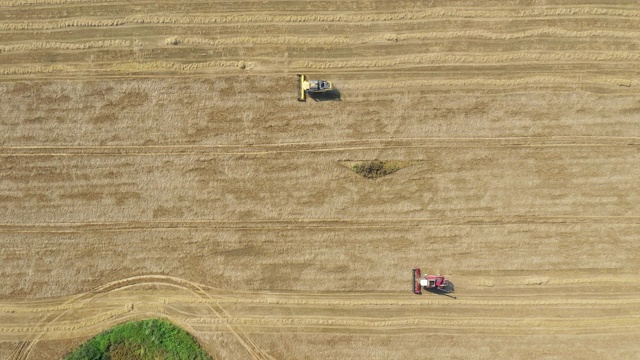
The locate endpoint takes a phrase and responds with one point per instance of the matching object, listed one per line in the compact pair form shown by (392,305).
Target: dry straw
(479,58)
(41,45)
(12,3)
(431,14)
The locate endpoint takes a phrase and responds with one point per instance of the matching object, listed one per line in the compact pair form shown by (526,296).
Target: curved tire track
(24,348)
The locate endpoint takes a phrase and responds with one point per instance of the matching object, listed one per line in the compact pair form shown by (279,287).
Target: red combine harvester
(429,282)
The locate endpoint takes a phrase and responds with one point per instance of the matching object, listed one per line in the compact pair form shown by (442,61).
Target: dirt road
(154,161)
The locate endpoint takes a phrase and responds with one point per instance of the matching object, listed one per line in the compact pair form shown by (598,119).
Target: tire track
(543,324)
(320,224)
(342,324)
(625,81)
(399,300)
(615,84)
(331,146)
(530,81)
(198,290)
(401,62)
(24,348)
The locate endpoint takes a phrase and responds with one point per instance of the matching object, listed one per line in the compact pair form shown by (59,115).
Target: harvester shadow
(447,291)
(333,95)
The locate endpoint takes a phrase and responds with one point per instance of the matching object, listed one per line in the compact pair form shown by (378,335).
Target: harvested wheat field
(154,162)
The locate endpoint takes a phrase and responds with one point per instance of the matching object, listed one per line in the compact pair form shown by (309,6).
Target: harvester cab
(306,86)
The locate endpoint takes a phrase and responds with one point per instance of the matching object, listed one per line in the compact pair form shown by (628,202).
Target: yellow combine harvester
(311,86)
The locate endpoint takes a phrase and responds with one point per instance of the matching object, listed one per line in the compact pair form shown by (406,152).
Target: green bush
(146,340)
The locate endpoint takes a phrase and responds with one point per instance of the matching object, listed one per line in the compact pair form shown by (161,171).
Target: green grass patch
(141,340)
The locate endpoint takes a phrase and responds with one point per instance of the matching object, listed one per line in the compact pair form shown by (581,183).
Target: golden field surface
(154,162)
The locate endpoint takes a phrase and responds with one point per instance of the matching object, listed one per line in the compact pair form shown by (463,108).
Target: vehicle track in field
(116,293)
(622,77)
(49,322)
(310,224)
(316,147)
